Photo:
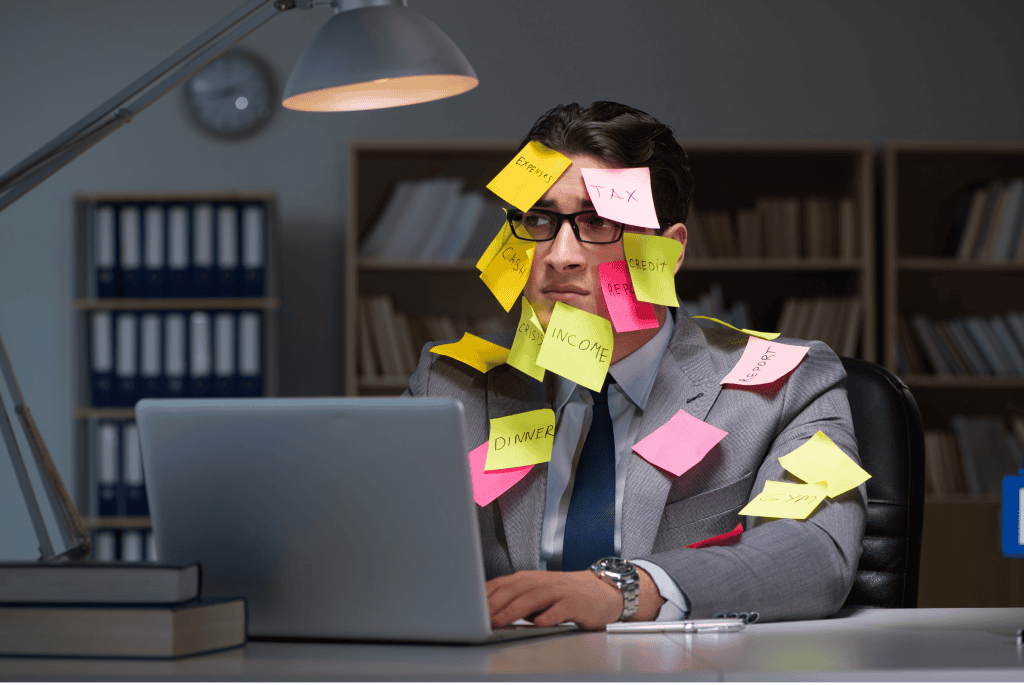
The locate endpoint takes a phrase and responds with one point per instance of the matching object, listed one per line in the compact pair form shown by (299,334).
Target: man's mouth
(564,290)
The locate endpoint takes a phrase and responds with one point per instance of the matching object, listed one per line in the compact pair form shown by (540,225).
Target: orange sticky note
(529,175)
(764,361)
(481,354)
(489,485)
(680,443)
(508,272)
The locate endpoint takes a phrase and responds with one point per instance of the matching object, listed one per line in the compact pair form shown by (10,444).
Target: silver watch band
(623,575)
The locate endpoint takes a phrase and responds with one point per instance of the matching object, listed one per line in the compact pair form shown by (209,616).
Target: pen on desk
(710,625)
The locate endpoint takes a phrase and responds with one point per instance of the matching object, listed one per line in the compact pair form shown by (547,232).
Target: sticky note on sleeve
(481,354)
(529,175)
(521,439)
(764,361)
(820,460)
(488,485)
(526,346)
(627,313)
(680,443)
(577,345)
(622,195)
(652,267)
(785,500)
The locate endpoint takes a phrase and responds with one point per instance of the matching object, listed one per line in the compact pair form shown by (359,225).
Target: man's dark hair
(629,137)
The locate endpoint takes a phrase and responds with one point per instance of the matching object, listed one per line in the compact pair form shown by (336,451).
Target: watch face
(232,96)
(616,566)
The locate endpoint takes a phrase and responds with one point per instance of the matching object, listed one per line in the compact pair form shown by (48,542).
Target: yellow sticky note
(819,459)
(526,345)
(503,236)
(477,352)
(521,439)
(785,500)
(756,334)
(652,267)
(529,175)
(507,273)
(577,345)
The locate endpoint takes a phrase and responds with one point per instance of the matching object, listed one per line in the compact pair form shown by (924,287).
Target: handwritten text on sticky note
(529,175)
(764,361)
(627,312)
(498,242)
(785,500)
(652,267)
(521,439)
(488,485)
(577,345)
(819,459)
(508,272)
(622,195)
(526,346)
(680,443)
(481,354)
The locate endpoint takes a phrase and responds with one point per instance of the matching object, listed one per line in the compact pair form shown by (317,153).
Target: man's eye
(595,221)
(535,220)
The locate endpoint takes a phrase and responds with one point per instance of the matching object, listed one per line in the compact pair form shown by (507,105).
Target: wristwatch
(623,575)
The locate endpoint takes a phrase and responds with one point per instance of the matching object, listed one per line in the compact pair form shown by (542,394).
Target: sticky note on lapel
(764,361)
(679,444)
(521,439)
(489,485)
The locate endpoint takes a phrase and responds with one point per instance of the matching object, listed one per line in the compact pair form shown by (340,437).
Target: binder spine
(225,354)
(127,367)
(104,251)
(107,469)
(130,252)
(101,354)
(202,251)
(179,251)
(134,484)
(254,237)
(227,251)
(200,354)
(151,355)
(250,352)
(154,251)
(175,370)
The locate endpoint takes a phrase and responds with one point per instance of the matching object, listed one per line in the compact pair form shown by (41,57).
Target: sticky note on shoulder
(680,443)
(526,346)
(529,175)
(785,500)
(652,267)
(764,361)
(622,195)
(489,485)
(521,439)
(820,460)
(577,345)
(507,273)
(481,354)
(756,334)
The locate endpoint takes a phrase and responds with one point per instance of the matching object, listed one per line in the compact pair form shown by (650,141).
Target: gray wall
(731,68)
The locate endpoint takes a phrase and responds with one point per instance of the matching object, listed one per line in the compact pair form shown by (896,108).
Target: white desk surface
(870,644)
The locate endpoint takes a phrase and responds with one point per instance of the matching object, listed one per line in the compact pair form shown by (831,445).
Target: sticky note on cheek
(521,439)
(785,500)
(627,313)
(652,267)
(489,485)
(526,346)
(680,443)
(481,354)
(529,175)
(503,236)
(764,361)
(508,272)
(578,346)
(622,195)
(819,459)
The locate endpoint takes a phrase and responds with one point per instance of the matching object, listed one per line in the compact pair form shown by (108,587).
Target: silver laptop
(336,518)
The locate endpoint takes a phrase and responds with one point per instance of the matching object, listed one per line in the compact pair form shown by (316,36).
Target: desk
(869,644)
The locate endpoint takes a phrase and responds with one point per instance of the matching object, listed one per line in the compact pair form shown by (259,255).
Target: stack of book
(435,220)
(712,303)
(974,456)
(835,321)
(962,346)
(990,223)
(777,227)
(113,610)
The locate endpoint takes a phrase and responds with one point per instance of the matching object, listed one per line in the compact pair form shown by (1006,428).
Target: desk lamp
(372,54)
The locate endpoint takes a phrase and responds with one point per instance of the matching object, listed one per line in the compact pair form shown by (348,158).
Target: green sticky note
(521,439)
(526,346)
(652,267)
(481,354)
(529,175)
(820,460)
(577,345)
(785,500)
(508,272)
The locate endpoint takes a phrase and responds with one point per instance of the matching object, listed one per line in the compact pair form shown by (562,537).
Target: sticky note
(481,354)
(529,175)
(652,267)
(521,439)
(488,485)
(508,272)
(498,242)
(622,195)
(526,346)
(730,538)
(577,345)
(756,334)
(627,312)
(819,459)
(785,500)
(680,443)
(764,361)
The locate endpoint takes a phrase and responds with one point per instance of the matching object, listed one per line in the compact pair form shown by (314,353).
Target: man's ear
(677,232)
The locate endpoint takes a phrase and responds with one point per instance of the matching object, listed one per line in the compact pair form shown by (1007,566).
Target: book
(155,631)
(250,355)
(748,229)
(998,245)
(696,244)
(154,243)
(101,355)
(994,210)
(103,249)
(97,583)
(129,256)
(254,238)
(846,218)
(179,238)
(790,211)
(227,242)
(380,233)
(985,342)
(957,329)
(972,224)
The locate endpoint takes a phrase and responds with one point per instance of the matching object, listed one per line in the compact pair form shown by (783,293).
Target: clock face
(232,96)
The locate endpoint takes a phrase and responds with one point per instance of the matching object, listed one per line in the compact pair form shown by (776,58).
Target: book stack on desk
(113,610)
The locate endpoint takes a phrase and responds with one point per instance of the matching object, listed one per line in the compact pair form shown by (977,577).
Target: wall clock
(231,97)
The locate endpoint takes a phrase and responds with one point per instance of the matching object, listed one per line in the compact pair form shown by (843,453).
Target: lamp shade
(377,57)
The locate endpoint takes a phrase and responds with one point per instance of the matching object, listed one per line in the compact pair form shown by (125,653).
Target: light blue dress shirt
(633,379)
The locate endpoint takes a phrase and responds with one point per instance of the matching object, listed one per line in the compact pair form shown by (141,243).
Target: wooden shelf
(89,304)
(963,498)
(94,522)
(111,413)
(948,264)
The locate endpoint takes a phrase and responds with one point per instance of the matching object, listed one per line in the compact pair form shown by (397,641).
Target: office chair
(890,440)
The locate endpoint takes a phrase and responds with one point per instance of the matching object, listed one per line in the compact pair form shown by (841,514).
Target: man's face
(564,269)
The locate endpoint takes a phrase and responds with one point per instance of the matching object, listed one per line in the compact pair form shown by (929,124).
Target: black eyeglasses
(540,225)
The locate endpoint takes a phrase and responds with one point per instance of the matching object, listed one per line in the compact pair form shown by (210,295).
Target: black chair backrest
(890,441)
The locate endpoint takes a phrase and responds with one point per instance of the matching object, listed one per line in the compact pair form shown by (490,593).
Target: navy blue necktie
(590,521)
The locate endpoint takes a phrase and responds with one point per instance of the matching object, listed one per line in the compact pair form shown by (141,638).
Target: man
(539,537)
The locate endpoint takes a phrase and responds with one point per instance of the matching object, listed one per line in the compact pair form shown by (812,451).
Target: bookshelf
(250,294)
(730,175)
(924,186)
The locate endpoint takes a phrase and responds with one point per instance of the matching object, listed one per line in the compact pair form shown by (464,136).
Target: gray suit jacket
(782,569)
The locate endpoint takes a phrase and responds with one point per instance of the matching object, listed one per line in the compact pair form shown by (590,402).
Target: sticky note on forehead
(529,175)
(785,500)
(627,312)
(622,195)
(521,439)
(507,273)
(764,361)
(578,346)
(652,267)
(819,459)
(526,346)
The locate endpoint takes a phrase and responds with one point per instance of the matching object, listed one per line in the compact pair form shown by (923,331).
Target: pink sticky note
(622,195)
(764,361)
(627,312)
(730,538)
(488,485)
(679,444)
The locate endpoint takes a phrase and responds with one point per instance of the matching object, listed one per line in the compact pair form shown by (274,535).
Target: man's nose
(565,251)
